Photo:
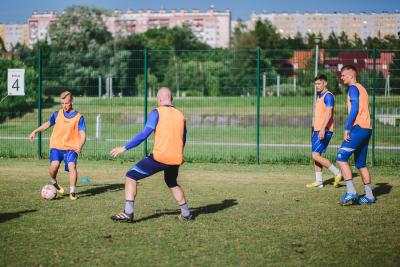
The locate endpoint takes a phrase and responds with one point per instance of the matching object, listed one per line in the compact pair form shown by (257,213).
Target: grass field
(246,215)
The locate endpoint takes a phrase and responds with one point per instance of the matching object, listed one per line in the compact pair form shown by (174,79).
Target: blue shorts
(66,155)
(149,166)
(358,144)
(320,146)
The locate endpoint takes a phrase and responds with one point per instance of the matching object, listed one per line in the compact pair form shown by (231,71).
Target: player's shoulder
(353,91)
(329,94)
(353,87)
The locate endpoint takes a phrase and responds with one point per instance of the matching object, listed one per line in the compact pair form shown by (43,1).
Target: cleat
(73,196)
(337,178)
(314,184)
(348,199)
(60,189)
(122,217)
(184,219)
(365,200)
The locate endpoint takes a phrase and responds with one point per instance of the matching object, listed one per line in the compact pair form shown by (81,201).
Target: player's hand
(116,151)
(32,136)
(346,136)
(321,134)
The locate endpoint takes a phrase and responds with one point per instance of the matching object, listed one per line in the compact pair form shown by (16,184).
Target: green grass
(246,215)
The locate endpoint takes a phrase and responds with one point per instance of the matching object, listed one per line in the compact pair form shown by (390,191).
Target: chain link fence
(244,106)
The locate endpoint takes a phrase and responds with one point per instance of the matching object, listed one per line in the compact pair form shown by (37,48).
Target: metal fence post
(145,96)
(39,101)
(258,108)
(373,106)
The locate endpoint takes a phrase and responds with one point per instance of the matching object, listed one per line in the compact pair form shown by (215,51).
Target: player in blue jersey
(66,141)
(357,133)
(322,132)
(169,127)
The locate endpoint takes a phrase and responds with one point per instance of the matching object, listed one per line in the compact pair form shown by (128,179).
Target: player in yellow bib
(169,127)
(66,141)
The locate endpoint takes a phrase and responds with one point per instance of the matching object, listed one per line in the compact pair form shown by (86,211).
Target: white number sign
(16,82)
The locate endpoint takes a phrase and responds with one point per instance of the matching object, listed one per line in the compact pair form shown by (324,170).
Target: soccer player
(357,133)
(168,124)
(66,142)
(323,131)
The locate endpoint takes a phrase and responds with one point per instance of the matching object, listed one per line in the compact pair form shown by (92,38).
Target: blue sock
(185,210)
(129,204)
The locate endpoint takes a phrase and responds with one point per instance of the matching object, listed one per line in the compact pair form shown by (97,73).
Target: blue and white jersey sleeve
(354,101)
(329,100)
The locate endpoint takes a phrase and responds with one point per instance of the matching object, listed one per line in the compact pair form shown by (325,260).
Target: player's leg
(73,177)
(360,158)
(318,174)
(55,159)
(144,168)
(319,147)
(344,153)
(324,162)
(71,158)
(170,178)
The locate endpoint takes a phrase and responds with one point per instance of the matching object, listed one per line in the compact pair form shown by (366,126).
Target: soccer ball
(49,192)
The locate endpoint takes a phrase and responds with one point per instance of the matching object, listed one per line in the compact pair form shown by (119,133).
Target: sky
(19,11)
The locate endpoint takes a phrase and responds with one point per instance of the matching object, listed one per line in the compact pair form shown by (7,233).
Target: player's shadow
(100,189)
(382,189)
(330,181)
(211,208)
(13,215)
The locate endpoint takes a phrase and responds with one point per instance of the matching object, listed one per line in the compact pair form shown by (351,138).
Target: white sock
(53,181)
(334,170)
(72,189)
(318,177)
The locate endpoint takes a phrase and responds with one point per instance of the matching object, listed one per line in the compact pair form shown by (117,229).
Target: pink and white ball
(49,192)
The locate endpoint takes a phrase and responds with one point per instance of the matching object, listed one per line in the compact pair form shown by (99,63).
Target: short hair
(321,77)
(349,67)
(64,95)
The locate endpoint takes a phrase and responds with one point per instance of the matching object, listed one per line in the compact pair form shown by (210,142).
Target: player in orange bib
(322,132)
(169,127)
(66,141)
(357,133)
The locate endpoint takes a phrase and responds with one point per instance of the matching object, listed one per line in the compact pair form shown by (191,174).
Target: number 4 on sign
(15,85)
(16,82)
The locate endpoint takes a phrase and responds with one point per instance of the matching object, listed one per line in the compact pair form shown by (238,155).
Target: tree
(151,84)
(266,35)
(357,42)
(395,66)
(344,41)
(77,27)
(174,39)
(296,42)
(332,42)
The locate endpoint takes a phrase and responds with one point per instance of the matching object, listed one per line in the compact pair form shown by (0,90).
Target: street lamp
(317,40)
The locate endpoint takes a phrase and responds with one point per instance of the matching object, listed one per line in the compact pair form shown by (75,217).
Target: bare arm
(328,116)
(42,128)
(82,141)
